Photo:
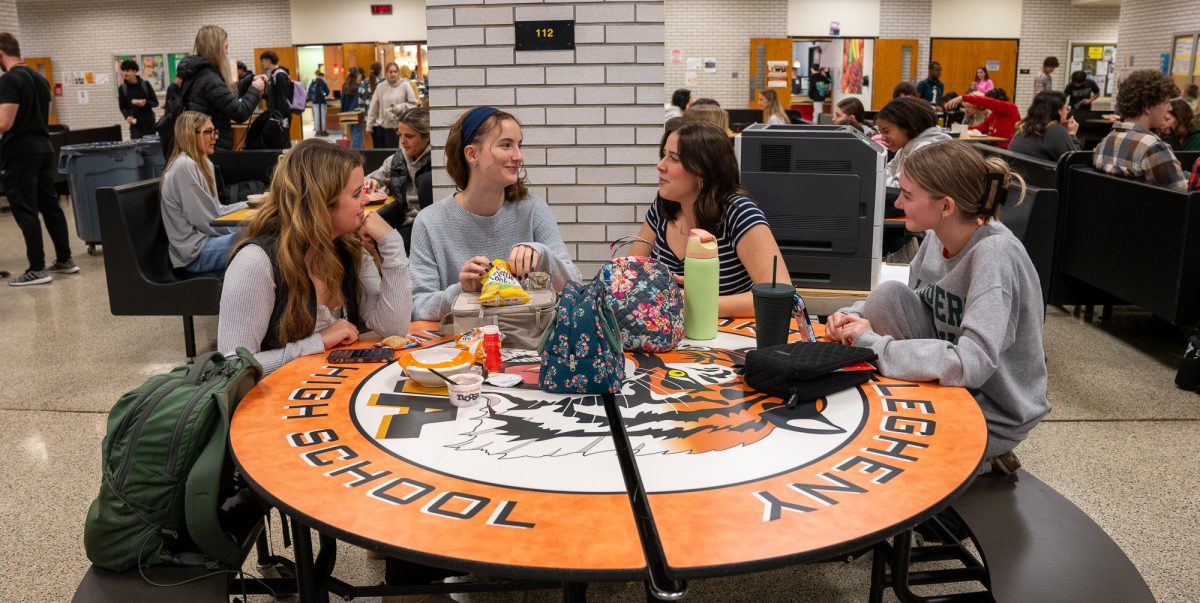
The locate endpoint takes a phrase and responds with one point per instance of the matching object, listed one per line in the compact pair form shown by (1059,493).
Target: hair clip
(994,193)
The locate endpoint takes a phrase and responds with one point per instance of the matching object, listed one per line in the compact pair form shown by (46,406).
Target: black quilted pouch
(805,371)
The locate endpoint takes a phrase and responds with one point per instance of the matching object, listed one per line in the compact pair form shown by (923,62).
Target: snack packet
(472,341)
(501,288)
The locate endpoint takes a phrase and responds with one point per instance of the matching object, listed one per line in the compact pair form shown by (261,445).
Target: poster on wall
(694,63)
(852,66)
(689,79)
(710,65)
(1182,62)
(173,64)
(154,69)
(777,74)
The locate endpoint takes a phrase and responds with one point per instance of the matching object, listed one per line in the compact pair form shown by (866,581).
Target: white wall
(1146,32)
(976,19)
(342,21)
(908,20)
(720,29)
(1047,27)
(858,18)
(84,36)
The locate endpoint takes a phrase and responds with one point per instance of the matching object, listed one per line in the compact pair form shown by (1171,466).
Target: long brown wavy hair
(190,142)
(705,150)
(456,162)
(304,189)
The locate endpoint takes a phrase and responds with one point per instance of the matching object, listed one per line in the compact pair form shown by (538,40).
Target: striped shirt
(1131,151)
(740,216)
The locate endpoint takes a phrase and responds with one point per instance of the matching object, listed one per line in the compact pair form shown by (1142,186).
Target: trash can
(89,167)
(153,162)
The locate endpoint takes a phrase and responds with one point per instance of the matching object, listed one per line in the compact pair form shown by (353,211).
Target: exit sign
(381,9)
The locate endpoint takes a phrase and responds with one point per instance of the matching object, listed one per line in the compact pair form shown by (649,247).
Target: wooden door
(895,62)
(335,67)
(44,66)
(763,53)
(359,55)
(960,58)
(288,60)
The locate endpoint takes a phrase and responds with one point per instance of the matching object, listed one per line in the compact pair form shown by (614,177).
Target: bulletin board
(1096,60)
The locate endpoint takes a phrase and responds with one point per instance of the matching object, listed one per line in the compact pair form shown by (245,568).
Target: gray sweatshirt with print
(986,306)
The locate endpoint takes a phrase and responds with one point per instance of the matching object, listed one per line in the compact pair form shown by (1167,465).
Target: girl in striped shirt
(699,186)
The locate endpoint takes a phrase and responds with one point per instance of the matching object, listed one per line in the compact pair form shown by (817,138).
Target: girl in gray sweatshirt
(972,313)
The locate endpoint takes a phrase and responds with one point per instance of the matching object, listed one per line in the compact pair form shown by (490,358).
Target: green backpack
(166,471)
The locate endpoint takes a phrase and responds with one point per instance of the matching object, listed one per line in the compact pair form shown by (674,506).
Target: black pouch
(805,371)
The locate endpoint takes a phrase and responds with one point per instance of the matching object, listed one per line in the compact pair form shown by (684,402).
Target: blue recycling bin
(92,166)
(153,162)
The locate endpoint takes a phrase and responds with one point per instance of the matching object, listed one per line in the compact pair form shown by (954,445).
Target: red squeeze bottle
(491,347)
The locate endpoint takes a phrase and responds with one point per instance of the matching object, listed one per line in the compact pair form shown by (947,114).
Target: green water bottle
(701,280)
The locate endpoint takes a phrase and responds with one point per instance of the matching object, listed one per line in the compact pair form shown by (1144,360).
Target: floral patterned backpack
(646,300)
(581,351)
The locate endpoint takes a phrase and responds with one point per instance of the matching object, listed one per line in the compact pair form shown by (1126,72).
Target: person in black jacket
(279,85)
(212,92)
(136,99)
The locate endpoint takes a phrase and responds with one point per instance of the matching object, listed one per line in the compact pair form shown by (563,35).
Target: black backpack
(165,126)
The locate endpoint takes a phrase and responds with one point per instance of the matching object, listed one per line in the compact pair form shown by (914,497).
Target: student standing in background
(136,99)
(29,164)
(932,89)
(1043,80)
(318,92)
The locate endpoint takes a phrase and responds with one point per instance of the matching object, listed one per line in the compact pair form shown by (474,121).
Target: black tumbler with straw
(773,309)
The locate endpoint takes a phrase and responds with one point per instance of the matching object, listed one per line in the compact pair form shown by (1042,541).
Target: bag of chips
(501,288)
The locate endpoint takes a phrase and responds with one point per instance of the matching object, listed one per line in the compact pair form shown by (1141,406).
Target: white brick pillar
(592,117)
(8,18)
(908,20)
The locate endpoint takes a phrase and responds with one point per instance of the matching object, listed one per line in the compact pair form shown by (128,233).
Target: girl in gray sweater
(492,216)
(971,315)
(302,281)
(189,199)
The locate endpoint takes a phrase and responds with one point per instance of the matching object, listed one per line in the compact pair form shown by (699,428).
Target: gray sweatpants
(893,309)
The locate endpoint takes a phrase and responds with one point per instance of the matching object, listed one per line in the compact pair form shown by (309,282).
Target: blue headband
(475,118)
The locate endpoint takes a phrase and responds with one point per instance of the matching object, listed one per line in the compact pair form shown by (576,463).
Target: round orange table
(703,477)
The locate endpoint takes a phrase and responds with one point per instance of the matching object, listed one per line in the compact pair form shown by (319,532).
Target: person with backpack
(302,281)
(136,100)
(189,199)
(318,93)
(208,87)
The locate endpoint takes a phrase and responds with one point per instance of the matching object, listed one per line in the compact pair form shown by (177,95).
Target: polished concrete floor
(1121,442)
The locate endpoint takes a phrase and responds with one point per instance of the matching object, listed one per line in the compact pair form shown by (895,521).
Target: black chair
(740,118)
(1036,172)
(1110,248)
(141,280)
(86,135)
(374,158)
(1033,222)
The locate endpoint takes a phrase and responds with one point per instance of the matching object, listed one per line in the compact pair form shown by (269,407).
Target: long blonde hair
(773,109)
(707,113)
(954,169)
(305,187)
(189,141)
(210,44)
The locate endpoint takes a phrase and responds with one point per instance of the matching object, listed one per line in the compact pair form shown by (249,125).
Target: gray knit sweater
(187,208)
(248,297)
(445,236)
(986,303)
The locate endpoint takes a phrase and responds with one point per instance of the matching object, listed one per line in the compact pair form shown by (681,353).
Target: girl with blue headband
(491,216)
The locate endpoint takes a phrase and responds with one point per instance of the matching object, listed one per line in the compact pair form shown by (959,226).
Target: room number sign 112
(545,35)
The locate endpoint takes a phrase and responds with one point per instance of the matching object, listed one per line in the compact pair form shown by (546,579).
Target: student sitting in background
(407,174)
(302,281)
(1132,150)
(905,89)
(1002,115)
(189,199)
(772,112)
(492,216)
(680,100)
(699,186)
(850,112)
(1179,128)
(1047,131)
(905,125)
(707,113)
(971,314)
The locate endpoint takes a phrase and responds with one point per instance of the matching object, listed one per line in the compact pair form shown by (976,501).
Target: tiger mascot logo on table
(690,401)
